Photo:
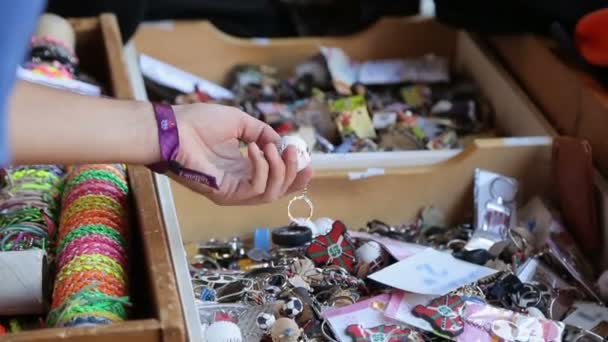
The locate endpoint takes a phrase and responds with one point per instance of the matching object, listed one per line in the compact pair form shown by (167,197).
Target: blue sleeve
(18,20)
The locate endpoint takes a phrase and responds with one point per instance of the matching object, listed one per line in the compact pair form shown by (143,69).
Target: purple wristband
(168,139)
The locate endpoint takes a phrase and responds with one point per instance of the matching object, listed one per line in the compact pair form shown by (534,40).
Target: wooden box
(572,100)
(399,193)
(198,47)
(156,312)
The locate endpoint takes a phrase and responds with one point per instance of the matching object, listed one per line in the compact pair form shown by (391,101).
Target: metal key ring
(308,202)
(493,190)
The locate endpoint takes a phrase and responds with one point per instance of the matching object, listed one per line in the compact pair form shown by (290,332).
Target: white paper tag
(340,67)
(372,171)
(431,272)
(527,141)
(170,76)
(387,71)
(428,68)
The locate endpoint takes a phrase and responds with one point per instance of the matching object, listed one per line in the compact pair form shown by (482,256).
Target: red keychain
(334,248)
(387,333)
(444,314)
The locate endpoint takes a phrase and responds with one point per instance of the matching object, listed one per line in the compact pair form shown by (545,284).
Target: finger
(254,130)
(291,171)
(257,184)
(301,181)
(274,188)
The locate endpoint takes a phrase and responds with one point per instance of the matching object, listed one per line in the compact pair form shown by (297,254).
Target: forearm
(53,126)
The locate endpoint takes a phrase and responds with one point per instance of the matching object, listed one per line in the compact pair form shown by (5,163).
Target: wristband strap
(168,139)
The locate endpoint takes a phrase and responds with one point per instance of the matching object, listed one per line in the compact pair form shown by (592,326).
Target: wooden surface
(575,103)
(161,276)
(147,330)
(200,48)
(158,315)
(515,114)
(396,197)
(119,77)
(158,260)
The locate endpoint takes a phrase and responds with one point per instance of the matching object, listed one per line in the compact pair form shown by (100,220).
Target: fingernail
(291,155)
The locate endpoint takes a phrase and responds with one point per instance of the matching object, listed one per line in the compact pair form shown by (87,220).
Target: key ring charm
(495,186)
(302,197)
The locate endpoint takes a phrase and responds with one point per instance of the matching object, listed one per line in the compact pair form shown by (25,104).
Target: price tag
(431,272)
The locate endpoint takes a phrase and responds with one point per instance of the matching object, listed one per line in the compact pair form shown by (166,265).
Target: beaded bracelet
(29,202)
(91,282)
(75,282)
(88,306)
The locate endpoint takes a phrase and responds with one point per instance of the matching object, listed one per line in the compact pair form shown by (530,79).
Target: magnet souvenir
(444,314)
(334,248)
(301,148)
(384,333)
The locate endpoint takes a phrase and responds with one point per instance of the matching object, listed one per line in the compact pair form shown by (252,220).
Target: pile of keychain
(394,105)
(52,57)
(91,283)
(501,276)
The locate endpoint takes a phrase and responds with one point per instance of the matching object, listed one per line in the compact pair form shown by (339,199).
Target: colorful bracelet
(91,282)
(29,202)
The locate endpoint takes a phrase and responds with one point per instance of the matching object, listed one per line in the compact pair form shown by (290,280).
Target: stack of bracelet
(91,283)
(51,57)
(29,203)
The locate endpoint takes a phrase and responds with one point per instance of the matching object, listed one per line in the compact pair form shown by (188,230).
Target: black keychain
(291,236)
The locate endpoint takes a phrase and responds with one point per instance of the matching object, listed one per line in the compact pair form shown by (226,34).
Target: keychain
(495,201)
(497,215)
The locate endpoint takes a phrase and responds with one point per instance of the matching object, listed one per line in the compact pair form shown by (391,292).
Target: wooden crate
(157,313)
(572,100)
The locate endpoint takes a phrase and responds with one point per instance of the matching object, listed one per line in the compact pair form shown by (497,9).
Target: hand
(209,143)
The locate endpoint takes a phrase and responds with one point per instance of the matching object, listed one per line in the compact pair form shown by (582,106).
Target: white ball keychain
(369,252)
(223,331)
(301,147)
(324,225)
